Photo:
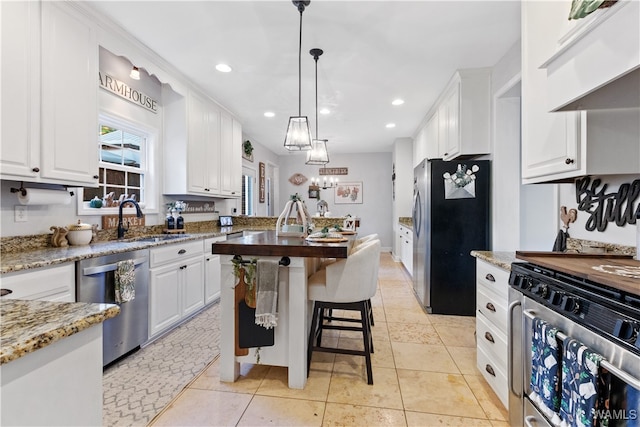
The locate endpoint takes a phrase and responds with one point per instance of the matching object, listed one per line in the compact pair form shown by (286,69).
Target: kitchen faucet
(121,227)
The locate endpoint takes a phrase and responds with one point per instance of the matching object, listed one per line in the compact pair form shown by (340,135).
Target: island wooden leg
(298,323)
(229,368)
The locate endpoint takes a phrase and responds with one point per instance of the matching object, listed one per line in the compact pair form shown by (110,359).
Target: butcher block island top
(268,244)
(617,271)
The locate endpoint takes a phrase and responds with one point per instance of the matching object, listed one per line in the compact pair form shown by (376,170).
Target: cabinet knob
(489,337)
(490,277)
(206,189)
(96,176)
(568,161)
(490,370)
(445,154)
(182,251)
(36,169)
(491,307)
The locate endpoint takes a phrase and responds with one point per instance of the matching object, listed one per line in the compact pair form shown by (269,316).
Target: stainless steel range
(603,317)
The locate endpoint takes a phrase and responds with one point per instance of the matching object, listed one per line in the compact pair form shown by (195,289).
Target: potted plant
(247,149)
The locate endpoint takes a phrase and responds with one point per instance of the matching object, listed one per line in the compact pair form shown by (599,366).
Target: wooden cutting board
(582,265)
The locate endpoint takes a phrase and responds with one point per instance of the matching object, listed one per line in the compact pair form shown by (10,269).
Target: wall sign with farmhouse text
(111,84)
(334,171)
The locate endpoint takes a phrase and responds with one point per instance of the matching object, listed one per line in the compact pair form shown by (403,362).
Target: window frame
(147,165)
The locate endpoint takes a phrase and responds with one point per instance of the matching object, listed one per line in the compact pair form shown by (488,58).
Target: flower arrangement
(177,206)
(462,176)
(247,147)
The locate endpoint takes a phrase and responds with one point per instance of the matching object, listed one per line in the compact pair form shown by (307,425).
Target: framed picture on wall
(348,193)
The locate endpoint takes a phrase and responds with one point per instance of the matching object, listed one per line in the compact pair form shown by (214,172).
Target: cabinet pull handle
(5,291)
(568,161)
(490,277)
(491,307)
(182,267)
(490,370)
(36,169)
(182,251)
(489,337)
(446,154)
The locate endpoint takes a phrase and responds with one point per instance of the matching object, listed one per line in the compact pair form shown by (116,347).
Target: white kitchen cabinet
(463,114)
(565,145)
(492,284)
(203,147)
(49,94)
(230,156)
(406,245)
(431,137)
(211,271)
(56,283)
(176,284)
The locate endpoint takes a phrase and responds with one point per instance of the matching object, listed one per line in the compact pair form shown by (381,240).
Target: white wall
(372,169)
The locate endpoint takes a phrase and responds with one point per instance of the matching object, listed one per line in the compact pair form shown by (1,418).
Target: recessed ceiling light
(324,111)
(223,68)
(390,125)
(397,101)
(269,114)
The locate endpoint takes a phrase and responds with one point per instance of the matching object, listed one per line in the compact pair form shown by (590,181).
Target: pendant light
(318,154)
(298,136)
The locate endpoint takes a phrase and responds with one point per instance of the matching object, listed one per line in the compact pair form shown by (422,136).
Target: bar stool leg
(312,333)
(367,341)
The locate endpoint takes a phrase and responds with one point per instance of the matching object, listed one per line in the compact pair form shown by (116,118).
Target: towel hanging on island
(125,277)
(267,293)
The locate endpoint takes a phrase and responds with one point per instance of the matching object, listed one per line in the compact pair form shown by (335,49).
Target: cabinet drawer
(496,377)
(47,284)
(493,307)
(174,252)
(492,341)
(492,277)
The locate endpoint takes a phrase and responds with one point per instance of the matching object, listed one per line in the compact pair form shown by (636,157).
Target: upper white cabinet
(458,123)
(230,156)
(564,145)
(49,94)
(202,148)
(595,63)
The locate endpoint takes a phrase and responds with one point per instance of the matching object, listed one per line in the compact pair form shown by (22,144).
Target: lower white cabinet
(211,271)
(406,247)
(176,288)
(491,326)
(57,283)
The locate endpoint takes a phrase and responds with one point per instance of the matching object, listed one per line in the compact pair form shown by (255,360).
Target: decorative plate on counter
(326,237)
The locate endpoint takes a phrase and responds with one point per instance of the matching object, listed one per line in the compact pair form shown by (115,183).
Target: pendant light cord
(300,67)
(316,59)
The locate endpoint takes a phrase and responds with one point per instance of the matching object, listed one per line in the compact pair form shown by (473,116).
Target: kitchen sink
(158,238)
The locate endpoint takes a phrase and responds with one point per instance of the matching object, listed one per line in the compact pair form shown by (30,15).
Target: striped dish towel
(267,293)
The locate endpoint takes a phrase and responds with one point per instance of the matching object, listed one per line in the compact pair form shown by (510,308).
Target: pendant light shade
(318,154)
(298,136)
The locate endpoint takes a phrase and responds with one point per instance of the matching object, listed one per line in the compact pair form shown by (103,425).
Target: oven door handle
(624,376)
(512,307)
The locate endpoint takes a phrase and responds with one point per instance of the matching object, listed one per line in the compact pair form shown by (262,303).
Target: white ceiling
(374,52)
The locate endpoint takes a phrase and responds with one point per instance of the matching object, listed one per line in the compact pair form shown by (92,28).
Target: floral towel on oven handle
(585,386)
(545,375)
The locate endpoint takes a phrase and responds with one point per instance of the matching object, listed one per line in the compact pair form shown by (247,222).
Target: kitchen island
(291,333)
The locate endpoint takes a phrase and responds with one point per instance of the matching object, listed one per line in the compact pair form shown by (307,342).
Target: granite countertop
(499,259)
(43,257)
(28,326)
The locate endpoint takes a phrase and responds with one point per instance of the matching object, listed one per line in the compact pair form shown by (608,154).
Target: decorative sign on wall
(111,221)
(621,207)
(123,90)
(261,178)
(297,179)
(194,206)
(348,193)
(334,171)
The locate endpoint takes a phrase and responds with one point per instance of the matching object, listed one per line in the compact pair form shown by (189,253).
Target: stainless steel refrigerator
(451,201)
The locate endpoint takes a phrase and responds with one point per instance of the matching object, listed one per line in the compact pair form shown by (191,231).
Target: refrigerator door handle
(417,213)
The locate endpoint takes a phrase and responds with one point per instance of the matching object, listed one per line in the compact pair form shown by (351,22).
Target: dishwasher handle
(89,271)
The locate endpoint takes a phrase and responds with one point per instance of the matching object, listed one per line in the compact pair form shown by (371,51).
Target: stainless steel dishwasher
(95,282)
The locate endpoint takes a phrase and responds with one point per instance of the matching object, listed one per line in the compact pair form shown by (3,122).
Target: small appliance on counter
(226,221)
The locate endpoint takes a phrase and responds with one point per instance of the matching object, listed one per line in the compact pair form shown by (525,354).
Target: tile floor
(423,369)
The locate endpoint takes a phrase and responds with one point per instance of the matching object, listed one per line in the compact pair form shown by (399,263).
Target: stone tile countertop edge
(28,326)
(18,261)
(499,259)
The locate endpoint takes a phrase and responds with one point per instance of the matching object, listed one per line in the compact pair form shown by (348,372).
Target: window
(248,185)
(123,167)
